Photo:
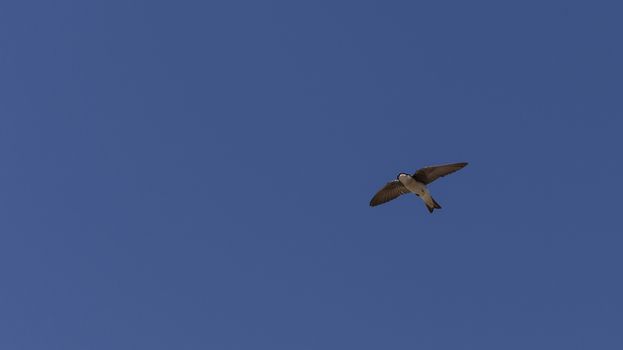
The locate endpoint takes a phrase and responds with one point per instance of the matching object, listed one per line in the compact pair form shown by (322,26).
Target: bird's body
(418,188)
(416,183)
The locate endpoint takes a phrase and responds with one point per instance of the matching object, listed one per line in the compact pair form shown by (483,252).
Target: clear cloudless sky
(196,175)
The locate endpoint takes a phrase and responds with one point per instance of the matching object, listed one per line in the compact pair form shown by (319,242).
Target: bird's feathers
(429,174)
(390,191)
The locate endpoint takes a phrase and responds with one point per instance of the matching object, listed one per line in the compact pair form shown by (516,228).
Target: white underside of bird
(418,188)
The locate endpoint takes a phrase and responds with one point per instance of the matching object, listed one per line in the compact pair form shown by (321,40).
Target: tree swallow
(415,183)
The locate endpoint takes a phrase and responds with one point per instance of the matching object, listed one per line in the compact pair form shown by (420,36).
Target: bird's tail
(434,205)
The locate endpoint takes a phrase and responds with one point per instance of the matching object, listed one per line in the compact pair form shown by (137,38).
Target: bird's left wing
(431,173)
(390,191)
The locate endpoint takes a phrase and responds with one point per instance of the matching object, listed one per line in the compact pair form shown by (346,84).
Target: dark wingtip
(430,209)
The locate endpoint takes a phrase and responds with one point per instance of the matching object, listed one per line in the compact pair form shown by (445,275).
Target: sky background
(196,175)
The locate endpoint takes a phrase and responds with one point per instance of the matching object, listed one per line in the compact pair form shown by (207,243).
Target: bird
(416,183)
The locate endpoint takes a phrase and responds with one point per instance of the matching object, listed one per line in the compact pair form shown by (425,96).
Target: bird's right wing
(390,191)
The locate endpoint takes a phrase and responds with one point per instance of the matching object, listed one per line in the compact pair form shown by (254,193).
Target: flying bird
(416,183)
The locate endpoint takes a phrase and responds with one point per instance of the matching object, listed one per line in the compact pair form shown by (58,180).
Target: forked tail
(434,206)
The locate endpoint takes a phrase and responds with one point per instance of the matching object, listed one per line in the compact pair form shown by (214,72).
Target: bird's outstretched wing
(390,191)
(429,174)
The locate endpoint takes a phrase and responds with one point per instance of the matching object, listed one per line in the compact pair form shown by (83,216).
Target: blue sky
(196,175)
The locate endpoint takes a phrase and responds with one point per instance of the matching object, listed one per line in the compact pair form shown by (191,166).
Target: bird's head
(401,174)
